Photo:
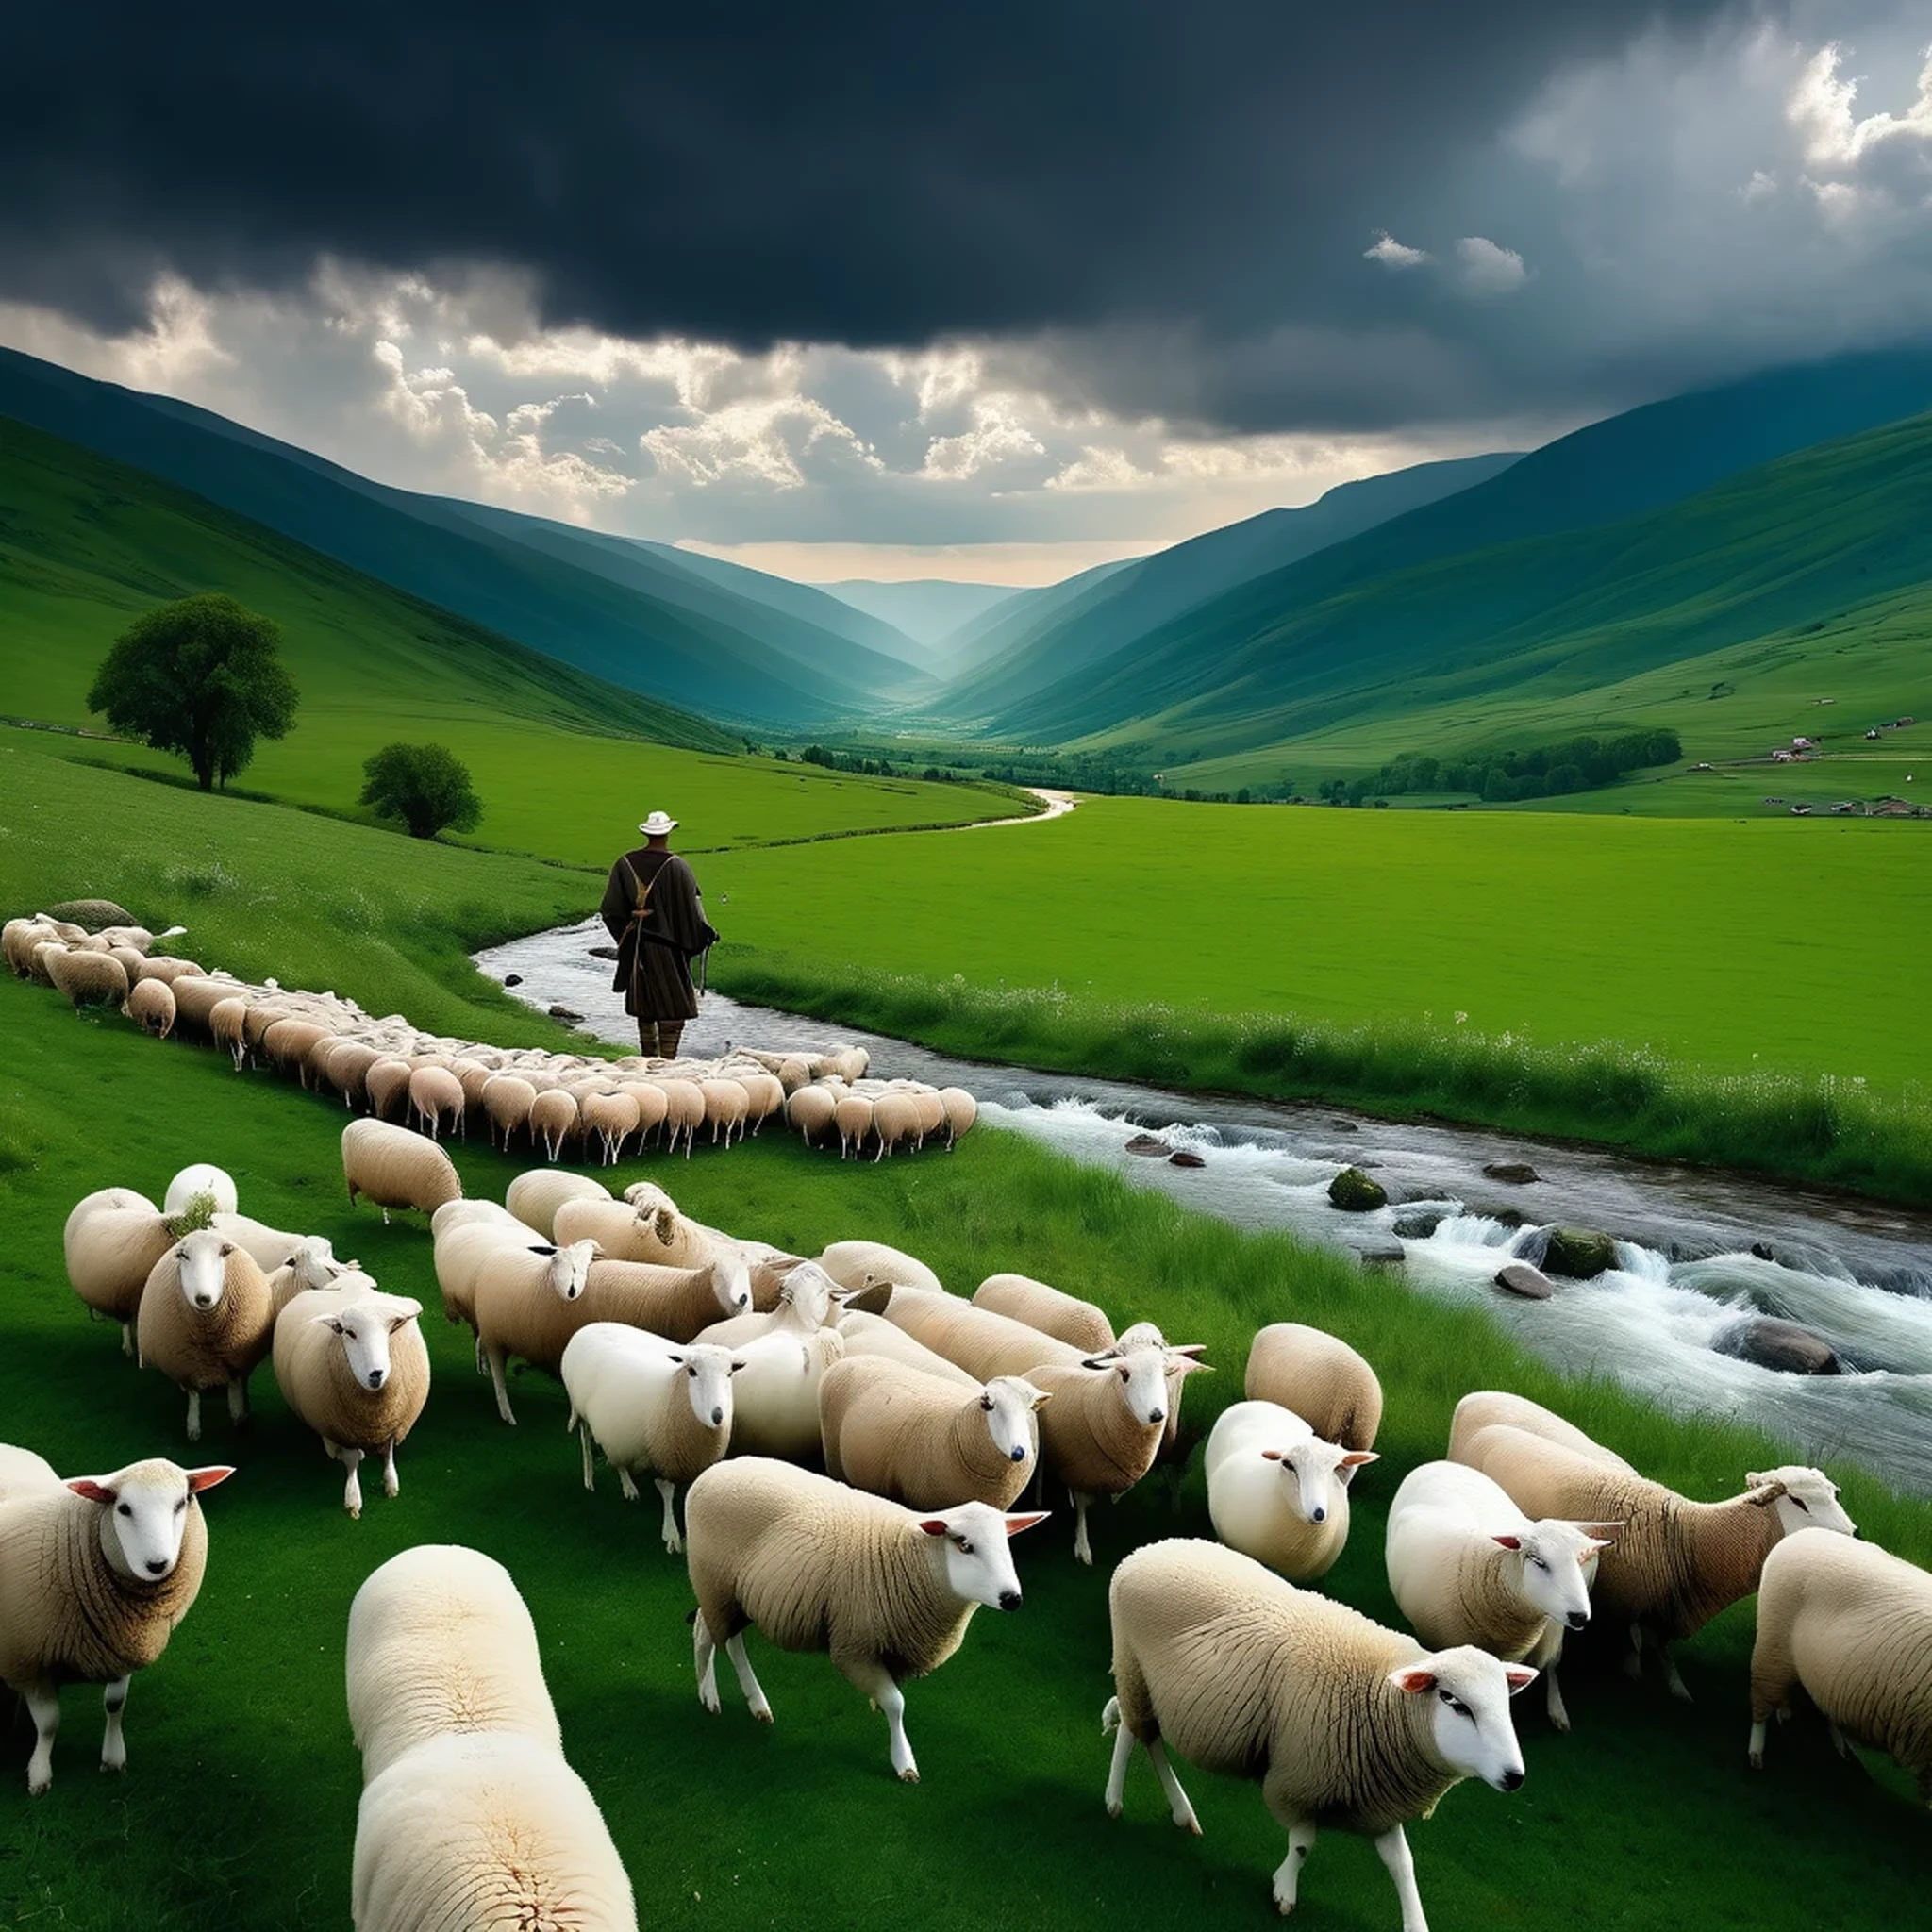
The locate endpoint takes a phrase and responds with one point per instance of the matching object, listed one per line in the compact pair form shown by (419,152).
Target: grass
(239,1805)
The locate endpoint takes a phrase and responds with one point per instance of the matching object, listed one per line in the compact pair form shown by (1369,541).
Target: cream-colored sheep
(553,1120)
(95,1571)
(435,1096)
(112,1240)
(726,1109)
(150,1004)
(207,1316)
(394,1168)
(652,1107)
(922,1441)
(872,1264)
(684,1113)
(1676,1563)
(228,1021)
(439,1643)
(1277,1491)
(872,1335)
(852,1114)
(1052,1310)
(962,1113)
(613,1118)
(199,1178)
(981,1343)
(764,1092)
(1481,1407)
(1343,1724)
(1321,1378)
(1101,1429)
(386,1087)
(167,969)
(351,1362)
(894,1118)
(88,979)
(674,1303)
(196,997)
(345,1065)
(776,1398)
(810,1111)
(508,1100)
(529,1301)
(294,1263)
(535,1196)
(816,1566)
(288,1043)
(649,1229)
(654,1408)
(807,1301)
(1852,1624)
(18,938)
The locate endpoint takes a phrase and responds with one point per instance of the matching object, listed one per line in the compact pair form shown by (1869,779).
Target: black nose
(1319,1516)
(158,1566)
(1010,1599)
(717,1416)
(1512,1780)
(376,1378)
(1157,1415)
(1019,1455)
(1577,1619)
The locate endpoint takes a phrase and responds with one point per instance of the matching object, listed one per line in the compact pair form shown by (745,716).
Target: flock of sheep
(557,1101)
(854,1443)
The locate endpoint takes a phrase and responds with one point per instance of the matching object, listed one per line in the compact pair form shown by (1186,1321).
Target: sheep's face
(1558,1562)
(1141,1373)
(143,1512)
(732,1279)
(972,1542)
(569,1268)
(1468,1693)
(315,1262)
(1008,1402)
(366,1328)
(708,1370)
(810,1292)
(1804,1499)
(202,1262)
(1317,1474)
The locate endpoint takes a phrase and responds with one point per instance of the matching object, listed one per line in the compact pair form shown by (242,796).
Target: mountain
(719,658)
(926,609)
(1328,623)
(87,544)
(1023,616)
(1496,639)
(1110,614)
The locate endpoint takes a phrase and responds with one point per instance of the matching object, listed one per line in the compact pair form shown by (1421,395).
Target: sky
(995,292)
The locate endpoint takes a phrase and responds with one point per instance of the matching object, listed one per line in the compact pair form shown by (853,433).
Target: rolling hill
(1459,587)
(649,629)
(929,610)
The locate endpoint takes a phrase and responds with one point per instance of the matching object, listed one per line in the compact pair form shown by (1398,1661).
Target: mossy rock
(1579,1253)
(1354,1192)
(92,914)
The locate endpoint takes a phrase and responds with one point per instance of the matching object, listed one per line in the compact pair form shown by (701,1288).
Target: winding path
(1058,804)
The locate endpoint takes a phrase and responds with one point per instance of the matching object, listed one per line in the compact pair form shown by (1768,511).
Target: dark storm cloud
(1207,172)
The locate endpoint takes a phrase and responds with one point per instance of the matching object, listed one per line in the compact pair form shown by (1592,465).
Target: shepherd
(655,913)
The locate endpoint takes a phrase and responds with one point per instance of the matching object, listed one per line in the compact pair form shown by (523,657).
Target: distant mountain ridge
(926,609)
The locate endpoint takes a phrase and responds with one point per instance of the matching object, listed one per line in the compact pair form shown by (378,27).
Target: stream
(1698,1250)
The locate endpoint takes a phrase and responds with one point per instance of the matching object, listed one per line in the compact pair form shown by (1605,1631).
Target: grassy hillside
(565,765)
(719,661)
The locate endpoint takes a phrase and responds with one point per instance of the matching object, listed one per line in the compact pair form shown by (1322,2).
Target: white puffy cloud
(1394,254)
(1487,268)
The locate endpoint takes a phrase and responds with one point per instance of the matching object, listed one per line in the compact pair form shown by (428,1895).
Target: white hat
(658,826)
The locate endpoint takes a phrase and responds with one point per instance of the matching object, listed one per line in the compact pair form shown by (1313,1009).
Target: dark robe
(653,952)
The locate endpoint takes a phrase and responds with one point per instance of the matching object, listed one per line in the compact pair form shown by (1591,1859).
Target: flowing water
(1698,1252)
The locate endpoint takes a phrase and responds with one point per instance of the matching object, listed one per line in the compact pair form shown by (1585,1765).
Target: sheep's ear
(674,1357)
(1016,1523)
(1521,1677)
(1508,1542)
(1765,1489)
(1189,1349)
(1358,1459)
(199,1479)
(330,1322)
(935,1525)
(1416,1678)
(1104,1360)
(1602,1534)
(86,1486)
(738,1362)
(543,1248)
(227,1249)
(1270,1455)
(411,1309)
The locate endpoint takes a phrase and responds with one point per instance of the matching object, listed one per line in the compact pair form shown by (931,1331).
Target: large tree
(202,676)
(426,786)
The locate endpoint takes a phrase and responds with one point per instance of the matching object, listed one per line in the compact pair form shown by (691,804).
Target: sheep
(807,1301)
(133,938)
(810,1109)
(18,938)
(202,1177)
(386,1086)
(88,979)
(815,1566)
(1850,1625)
(160,966)
(1321,1378)
(872,1335)
(1065,1317)
(1148,1335)
(922,1441)
(150,1004)
(650,1406)
(1101,1431)
(485,1830)
(553,1120)
(786,1354)
(289,1043)
(523,1299)
(272,1248)
(394,1168)
(981,1343)
(345,1065)
(650,1229)
(1276,1490)
(1676,1563)
(351,1363)
(205,1320)
(894,1118)
(471,1075)
(112,1239)
(674,1303)
(1482,1407)
(766,1094)
(95,1571)
(684,1113)
(852,1114)
(1467,1566)
(961,1112)
(441,1642)
(652,1106)
(726,1106)
(534,1197)
(1341,1722)
(129,962)
(508,1101)
(196,1000)
(435,1095)
(225,1022)
(872,1264)
(613,1118)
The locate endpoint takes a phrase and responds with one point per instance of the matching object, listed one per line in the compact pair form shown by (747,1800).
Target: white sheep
(435,1095)
(922,1441)
(1277,1491)
(1850,1625)
(207,1315)
(1482,1407)
(1321,1378)
(312,1257)
(112,1242)
(1065,1317)
(95,1573)
(150,1004)
(508,1099)
(872,1264)
(203,1177)
(808,1300)
(1467,1566)
(525,1296)
(394,1168)
(351,1363)
(1340,1722)
(652,1407)
(883,1590)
